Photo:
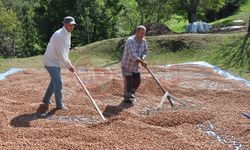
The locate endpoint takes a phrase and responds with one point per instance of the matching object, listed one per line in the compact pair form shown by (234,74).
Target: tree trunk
(192,12)
(142,16)
(141,11)
(158,16)
(13,45)
(248,31)
(248,48)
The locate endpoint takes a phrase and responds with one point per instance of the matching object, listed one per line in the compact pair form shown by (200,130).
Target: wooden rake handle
(90,97)
(162,88)
(158,82)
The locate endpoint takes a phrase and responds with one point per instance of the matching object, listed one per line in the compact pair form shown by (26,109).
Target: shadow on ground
(111,111)
(25,119)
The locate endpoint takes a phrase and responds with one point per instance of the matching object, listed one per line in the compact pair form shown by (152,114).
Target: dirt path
(211,120)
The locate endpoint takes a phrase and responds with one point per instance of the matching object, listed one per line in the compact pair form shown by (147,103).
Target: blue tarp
(9,72)
(197,27)
(246,115)
(202,63)
(220,71)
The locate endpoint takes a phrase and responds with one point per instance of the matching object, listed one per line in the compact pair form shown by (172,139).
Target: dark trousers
(132,81)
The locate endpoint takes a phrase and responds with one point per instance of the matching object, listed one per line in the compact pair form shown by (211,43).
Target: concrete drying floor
(211,119)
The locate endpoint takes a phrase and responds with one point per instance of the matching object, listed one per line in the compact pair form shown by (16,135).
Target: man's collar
(137,40)
(66,31)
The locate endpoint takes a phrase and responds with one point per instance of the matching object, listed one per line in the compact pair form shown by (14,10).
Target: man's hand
(142,62)
(72,69)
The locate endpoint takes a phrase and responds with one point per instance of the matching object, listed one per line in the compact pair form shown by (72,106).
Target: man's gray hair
(140,27)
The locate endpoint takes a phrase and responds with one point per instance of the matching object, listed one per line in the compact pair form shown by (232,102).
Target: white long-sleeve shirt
(57,52)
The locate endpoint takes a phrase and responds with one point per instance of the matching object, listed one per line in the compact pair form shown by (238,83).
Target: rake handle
(90,97)
(158,82)
(162,88)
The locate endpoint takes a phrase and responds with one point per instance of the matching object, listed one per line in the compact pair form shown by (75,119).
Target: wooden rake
(90,97)
(167,95)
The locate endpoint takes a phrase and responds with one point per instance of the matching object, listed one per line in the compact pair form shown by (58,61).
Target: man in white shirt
(56,57)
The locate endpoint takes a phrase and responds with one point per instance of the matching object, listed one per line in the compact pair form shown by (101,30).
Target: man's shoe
(128,101)
(63,108)
(133,100)
(46,103)
(132,96)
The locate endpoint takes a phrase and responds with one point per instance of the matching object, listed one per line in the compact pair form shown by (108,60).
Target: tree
(192,7)
(128,18)
(31,44)
(96,19)
(9,24)
(239,51)
(19,28)
(230,7)
(140,7)
(152,11)
(112,8)
(192,11)
(50,14)
(236,53)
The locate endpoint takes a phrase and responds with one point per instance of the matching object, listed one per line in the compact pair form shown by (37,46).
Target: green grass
(176,23)
(211,48)
(97,54)
(166,49)
(29,62)
(246,7)
(243,14)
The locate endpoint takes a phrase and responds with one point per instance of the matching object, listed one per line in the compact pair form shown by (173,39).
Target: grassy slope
(243,14)
(166,49)
(29,62)
(177,23)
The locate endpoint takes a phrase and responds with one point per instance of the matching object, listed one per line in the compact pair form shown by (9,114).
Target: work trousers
(132,81)
(55,86)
